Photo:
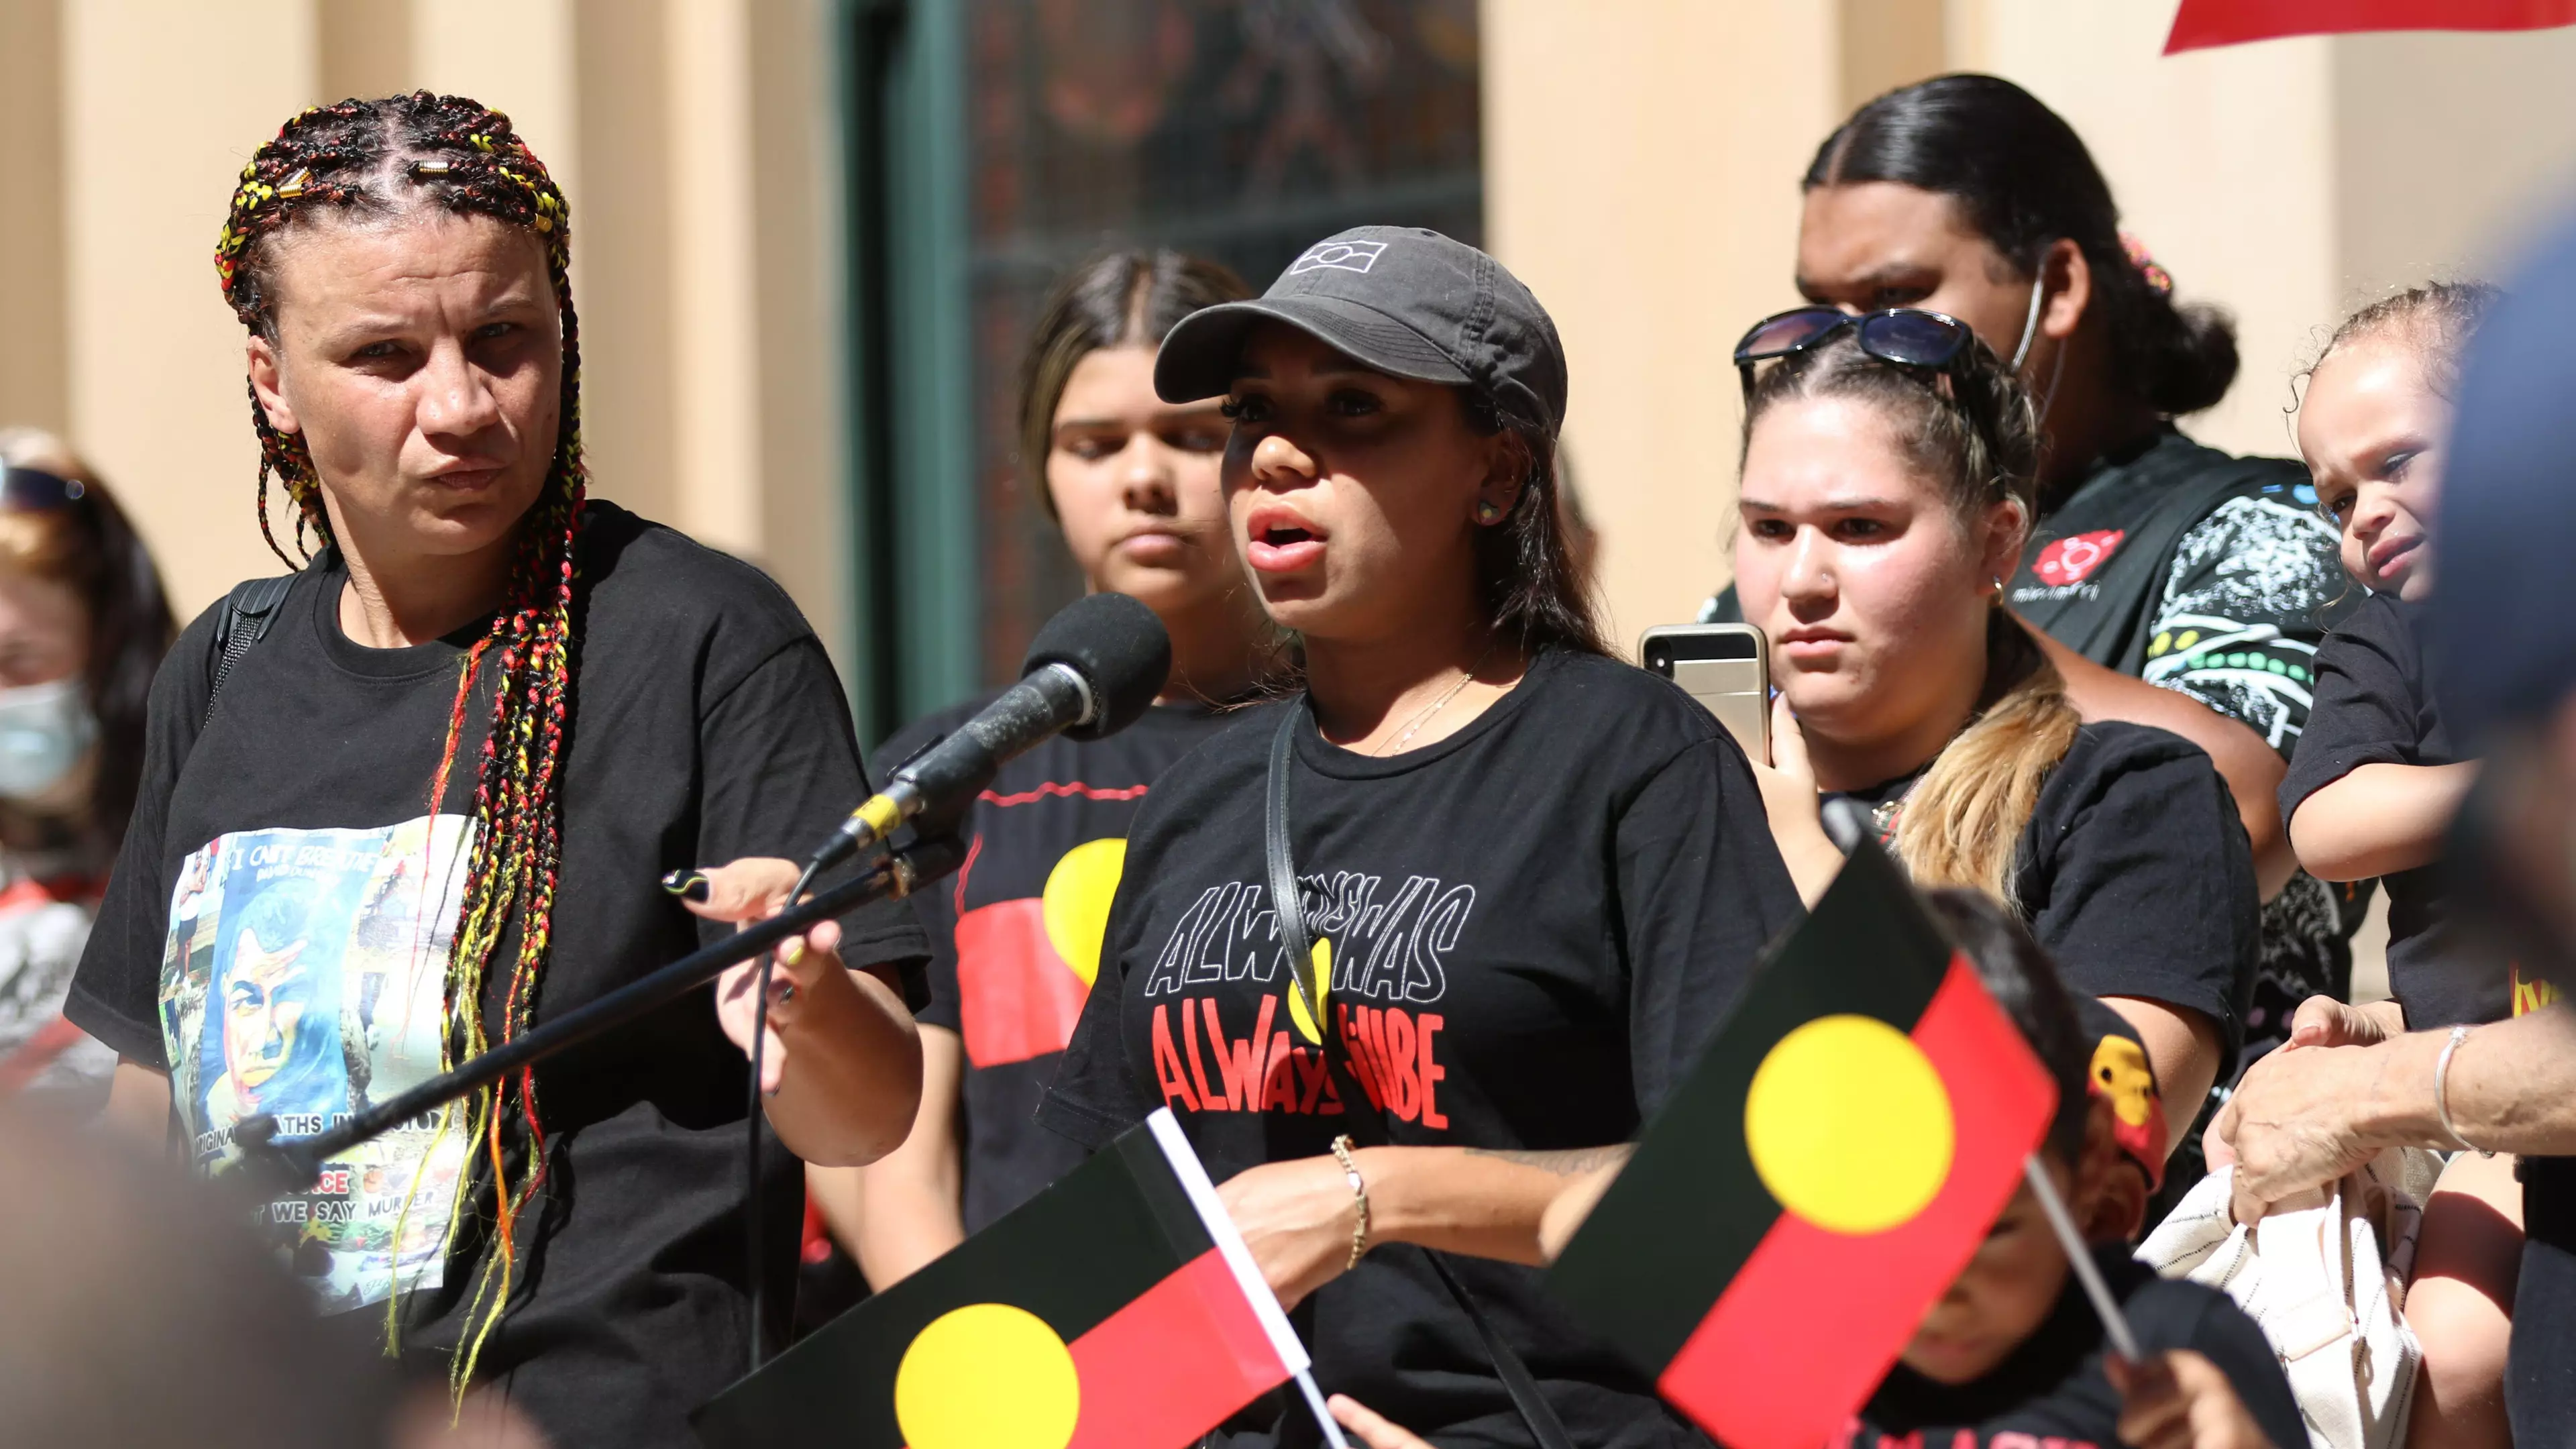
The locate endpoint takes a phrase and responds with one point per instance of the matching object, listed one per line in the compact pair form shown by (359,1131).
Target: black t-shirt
(276,936)
(2052,1391)
(1532,926)
(2374,706)
(1015,936)
(2540,1374)
(2214,576)
(2135,873)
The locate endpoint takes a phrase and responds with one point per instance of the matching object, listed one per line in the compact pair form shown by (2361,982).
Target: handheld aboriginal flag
(1813,1187)
(1116,1310)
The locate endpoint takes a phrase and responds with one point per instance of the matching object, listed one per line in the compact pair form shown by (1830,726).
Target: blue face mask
(45,729)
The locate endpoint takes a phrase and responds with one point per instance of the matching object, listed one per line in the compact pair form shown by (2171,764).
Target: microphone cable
(755,1117)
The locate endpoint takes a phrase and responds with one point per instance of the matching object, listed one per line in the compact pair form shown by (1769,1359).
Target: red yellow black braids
(363,159)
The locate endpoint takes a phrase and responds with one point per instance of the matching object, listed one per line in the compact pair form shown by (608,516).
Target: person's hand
(1788,785)
(1297,1218)
(2180,1400)
(2292,1124)
(754,889)
(2322,1021)
(1376,1430)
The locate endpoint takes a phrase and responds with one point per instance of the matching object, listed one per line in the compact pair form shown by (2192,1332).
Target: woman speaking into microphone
(425,800)
(1532,877)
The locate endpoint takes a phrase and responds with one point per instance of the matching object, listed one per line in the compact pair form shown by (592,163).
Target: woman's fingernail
(688,885)
(791,951)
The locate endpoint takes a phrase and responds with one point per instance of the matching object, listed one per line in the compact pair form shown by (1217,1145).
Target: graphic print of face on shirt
(278,989)
(1381,957)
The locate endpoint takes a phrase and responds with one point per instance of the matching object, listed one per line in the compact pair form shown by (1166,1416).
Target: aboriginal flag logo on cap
(1843,1146)
(1341,256)
(1118,1309)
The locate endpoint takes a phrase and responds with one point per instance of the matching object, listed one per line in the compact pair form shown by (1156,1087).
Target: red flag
(2200,24)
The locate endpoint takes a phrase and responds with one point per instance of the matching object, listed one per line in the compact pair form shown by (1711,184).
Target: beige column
(797,420)
(163,102)
(714,362)
(1641,167)
(34,320)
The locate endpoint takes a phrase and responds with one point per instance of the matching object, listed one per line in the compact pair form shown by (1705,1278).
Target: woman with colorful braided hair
(432,802)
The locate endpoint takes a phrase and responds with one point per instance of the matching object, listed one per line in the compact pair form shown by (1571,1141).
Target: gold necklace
(1437,705)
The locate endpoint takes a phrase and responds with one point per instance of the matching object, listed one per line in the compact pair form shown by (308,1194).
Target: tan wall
(1642,159)
(690,136)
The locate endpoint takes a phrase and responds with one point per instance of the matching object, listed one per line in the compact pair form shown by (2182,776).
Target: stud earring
(1487,511)
(1999,583)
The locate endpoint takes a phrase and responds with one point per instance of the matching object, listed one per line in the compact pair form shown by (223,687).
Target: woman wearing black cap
(1532,877)
(2153,555)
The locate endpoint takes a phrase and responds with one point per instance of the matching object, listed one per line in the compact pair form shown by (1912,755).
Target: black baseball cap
(1404,300)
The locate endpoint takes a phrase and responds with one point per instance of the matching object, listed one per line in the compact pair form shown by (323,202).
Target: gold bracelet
(1359,1190)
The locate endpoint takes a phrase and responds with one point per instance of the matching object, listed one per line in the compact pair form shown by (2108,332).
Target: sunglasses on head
(35,489)
(1906,336)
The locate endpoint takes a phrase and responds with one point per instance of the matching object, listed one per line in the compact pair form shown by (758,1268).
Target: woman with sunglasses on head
(2151,556)
(1888,475)
(1015,937)
(83,625)
(1531,877)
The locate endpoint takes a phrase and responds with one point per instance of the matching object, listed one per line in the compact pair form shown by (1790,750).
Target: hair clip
(2160,280)
(431,168)
(293,186)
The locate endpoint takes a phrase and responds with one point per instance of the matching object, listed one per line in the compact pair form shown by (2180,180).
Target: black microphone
(1092,671)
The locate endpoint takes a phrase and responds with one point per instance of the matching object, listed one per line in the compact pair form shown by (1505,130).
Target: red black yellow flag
(2199,24)
(1117,1309)
(1843,1145)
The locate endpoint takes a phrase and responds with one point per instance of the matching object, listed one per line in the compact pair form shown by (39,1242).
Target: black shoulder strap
(248,610)
(1307,982)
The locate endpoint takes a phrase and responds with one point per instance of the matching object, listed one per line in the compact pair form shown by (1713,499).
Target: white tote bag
(2325,1278)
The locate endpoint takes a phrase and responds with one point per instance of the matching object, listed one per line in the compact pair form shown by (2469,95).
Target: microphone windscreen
(1117,646)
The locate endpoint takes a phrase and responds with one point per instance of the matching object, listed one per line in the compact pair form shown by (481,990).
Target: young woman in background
(1888,476)
(1015,936)
(83,625)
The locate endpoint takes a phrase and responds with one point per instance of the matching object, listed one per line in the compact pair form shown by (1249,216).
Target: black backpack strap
(1303,979)
(248,611)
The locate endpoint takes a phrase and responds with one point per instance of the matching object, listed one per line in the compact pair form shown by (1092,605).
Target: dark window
(1243,131)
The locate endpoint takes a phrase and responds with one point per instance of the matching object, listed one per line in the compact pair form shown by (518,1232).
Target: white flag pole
(1323,1416)
(1265,1304)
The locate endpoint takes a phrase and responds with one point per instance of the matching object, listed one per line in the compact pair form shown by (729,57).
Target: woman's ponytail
(1962,823)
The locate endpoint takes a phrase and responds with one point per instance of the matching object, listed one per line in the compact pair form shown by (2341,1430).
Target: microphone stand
(291,1164)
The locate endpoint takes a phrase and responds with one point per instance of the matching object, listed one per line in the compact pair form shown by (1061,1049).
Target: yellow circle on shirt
(1076,901)
(1849,1125)
(987,1376)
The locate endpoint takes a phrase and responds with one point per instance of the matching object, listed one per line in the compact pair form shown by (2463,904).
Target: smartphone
(1726,667)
